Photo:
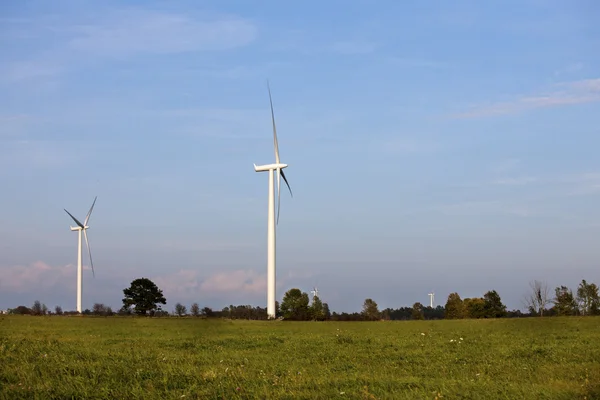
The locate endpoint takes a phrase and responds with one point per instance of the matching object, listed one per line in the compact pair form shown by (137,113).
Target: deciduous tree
(370,310)
(538,298)
(417,311)
(144,296)
(493,307)
(455,308)
(195,310)
(180,310)
(295,305)
(564,301)
(588,298)
(317,313)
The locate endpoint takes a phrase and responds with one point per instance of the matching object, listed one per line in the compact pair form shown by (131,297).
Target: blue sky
(439,146)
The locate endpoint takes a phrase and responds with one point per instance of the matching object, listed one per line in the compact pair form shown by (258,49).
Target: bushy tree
(494,308)
(317,312)
(180,310)
(417,311)
(58,310)
(144,296)
(195,310)
(588,298)
(474,307)
(101,309)
(295,305)
(326,311)
(455,308)
(36,309)
(564,301)
(370,311)
(208,312)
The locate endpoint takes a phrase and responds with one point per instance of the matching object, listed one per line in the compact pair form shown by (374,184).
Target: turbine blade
(274,128)
(279,172)
(90,212)
(74,219)
(286,182)
(89,252)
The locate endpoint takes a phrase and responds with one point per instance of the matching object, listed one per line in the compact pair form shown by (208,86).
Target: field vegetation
(87,357)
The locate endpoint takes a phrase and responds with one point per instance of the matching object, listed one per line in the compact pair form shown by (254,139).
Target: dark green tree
(295,305)
(588,298)
(493,307)
(455,308)
(370,311)
(474,307)
(317,312)
(144,296)
(326,311)
(564,301)
(417,311)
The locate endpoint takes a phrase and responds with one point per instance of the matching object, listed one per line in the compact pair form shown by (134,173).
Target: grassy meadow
(189,358)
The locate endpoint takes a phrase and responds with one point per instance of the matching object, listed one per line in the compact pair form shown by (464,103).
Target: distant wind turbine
(431,295)
(271,258)
(315,292)
(82,228)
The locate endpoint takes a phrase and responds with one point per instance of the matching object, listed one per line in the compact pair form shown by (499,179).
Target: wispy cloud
(484,208)
(29,278)
(506,165)
(518,181)
(410,145)
(350,47)
(189,283)
(567,93)
(125,33)
(35,154)
(417,63)
(129,32)
(25,70)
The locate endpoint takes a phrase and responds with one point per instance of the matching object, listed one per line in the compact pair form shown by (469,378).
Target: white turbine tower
(82,228)
(431,295)
(271,211)
(314,292)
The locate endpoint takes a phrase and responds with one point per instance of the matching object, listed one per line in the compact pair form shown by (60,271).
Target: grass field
(171,358)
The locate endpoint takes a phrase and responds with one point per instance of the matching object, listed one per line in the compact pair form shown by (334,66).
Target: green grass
(171,358)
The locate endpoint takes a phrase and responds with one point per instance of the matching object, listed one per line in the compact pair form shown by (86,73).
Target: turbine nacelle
(268,167)
(78,228)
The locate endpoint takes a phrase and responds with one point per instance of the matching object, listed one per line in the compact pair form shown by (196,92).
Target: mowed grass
(187,358)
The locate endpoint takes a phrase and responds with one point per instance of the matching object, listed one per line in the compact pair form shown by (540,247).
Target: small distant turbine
(82,228)
(431,295)
(314,292)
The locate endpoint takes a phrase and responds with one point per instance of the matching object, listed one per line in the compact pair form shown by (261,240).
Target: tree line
(144,298)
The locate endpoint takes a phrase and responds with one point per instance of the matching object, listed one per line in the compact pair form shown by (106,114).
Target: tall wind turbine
(431,295)
(82,228)
(271,168)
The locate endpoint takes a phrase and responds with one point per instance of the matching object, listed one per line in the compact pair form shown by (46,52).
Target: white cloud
(38,275)
(567,93)
(129,32)
(192,283)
